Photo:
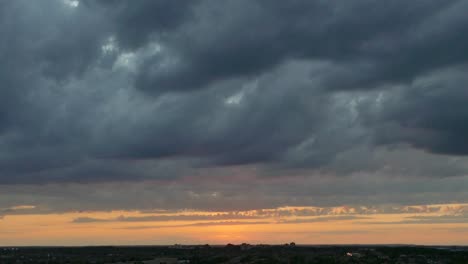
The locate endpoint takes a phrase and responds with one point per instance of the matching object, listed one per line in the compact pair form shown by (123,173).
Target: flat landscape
(244,253)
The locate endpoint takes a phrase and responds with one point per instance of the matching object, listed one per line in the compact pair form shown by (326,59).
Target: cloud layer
(102,92)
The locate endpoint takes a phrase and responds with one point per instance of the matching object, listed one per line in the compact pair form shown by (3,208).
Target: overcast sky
(232,105)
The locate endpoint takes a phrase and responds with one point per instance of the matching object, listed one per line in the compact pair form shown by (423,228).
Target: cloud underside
(101,92)
(356,215)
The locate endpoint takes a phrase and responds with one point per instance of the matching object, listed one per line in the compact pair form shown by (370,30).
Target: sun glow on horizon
(427,224)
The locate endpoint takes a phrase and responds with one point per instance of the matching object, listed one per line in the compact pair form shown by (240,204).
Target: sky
(259,121)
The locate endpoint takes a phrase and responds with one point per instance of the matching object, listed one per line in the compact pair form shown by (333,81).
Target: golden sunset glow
(339,225)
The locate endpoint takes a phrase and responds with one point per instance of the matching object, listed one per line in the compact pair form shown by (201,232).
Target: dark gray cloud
(84,220)
(394,43)
(164,218)
(230,193)
(108,91)
(428,114)
(134,24)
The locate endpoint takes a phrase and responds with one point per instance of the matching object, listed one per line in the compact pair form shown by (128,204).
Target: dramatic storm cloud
(233,105)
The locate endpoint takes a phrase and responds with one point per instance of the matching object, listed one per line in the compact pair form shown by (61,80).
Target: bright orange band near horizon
(429,224)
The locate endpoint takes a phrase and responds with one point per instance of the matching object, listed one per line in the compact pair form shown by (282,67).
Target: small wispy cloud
(419,219)
(222,223)
(22,207)
(322,219)
(15,210)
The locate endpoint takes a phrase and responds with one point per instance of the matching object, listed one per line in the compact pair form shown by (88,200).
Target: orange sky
(442,224)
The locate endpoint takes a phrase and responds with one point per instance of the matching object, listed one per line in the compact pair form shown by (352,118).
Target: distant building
(354,254)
